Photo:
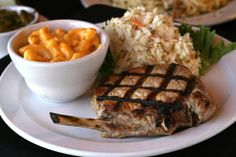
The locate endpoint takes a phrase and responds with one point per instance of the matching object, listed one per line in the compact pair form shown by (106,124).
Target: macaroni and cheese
(59,45)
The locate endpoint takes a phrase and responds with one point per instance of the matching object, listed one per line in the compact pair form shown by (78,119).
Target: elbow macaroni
(57,46)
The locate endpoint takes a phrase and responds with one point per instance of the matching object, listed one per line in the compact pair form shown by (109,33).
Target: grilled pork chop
(146,101)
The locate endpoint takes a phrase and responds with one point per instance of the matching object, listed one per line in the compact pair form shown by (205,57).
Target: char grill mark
(116,84)
(130,92)
(164,84)
(163,107)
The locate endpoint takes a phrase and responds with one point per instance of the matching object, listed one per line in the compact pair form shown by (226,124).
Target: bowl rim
(32,27)
(31,10)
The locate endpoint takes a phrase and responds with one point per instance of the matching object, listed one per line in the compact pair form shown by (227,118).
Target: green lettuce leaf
(203,42)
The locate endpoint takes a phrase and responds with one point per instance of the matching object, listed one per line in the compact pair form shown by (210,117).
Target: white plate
(28,116)
(219,16)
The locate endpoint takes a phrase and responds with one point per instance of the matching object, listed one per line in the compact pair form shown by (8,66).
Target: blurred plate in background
(224,14)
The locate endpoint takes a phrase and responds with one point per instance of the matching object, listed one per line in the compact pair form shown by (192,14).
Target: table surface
(223,144)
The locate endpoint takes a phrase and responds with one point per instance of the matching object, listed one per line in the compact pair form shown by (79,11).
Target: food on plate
(146,101)
(11,20)
(60,45)
(144,37)
(156,88)
(177,8)
(187,8)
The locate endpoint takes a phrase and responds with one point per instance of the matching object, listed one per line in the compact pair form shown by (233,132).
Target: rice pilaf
(144,37)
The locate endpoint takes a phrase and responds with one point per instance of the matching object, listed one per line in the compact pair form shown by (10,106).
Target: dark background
(12,145)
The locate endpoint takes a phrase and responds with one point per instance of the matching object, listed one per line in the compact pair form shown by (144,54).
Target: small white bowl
(5,36)
(59,81)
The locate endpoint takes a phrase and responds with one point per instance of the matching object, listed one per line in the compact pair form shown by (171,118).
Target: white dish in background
(41,18)
(219,16)
(88,3)
(28,116)
(5,36)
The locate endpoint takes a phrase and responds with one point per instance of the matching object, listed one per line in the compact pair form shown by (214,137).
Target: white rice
(156,41)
